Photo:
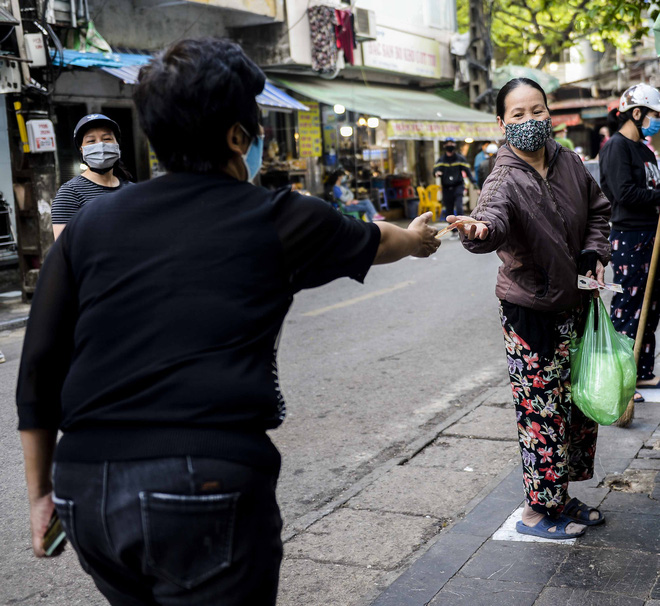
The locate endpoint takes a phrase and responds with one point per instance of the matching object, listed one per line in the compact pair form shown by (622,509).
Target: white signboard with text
(405,53)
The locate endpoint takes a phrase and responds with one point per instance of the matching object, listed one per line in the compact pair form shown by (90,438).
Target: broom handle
(627,416)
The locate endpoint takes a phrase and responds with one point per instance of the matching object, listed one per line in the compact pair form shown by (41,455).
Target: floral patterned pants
(557,442)
(631,259)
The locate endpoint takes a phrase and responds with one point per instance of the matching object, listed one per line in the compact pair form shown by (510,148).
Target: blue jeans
(178,532)
(363,206)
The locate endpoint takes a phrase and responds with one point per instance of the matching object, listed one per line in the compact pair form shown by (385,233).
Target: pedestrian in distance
(165,476)
(630,178)
(450,168)
(542,209)
(97,138)
(481,156)
(345,196)
(561,136)
(486,167)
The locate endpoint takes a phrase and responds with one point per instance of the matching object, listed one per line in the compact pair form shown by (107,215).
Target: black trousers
(452,200)
(177,532)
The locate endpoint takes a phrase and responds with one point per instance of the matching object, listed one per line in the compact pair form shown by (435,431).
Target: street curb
(448,552)
(13,324)
(411,450)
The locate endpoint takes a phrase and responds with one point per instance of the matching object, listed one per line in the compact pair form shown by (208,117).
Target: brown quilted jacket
(539,226)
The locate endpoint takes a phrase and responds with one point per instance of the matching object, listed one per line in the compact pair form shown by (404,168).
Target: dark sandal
(542,528)
(638,398)
(577,511)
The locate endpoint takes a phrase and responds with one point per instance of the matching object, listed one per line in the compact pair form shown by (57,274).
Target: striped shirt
(74,194)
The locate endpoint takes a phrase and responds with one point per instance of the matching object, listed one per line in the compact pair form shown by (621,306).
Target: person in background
(97,138)
(630,178)
(341,193)
(561,136)
(541,208)
(166,476)
(486,167)
(480,157)
(450,167)
(603,137)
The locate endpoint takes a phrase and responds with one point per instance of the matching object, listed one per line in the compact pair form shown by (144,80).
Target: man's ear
(636,113)
(236,140)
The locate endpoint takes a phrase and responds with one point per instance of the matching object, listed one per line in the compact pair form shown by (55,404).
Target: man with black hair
(450,168)
(165,478)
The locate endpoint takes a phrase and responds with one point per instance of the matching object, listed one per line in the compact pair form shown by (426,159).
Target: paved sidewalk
(13,312)
(482,561)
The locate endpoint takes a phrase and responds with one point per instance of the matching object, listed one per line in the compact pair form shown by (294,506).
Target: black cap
(91,121)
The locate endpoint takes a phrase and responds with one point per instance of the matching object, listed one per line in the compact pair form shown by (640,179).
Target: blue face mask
(253,157)
(653,127)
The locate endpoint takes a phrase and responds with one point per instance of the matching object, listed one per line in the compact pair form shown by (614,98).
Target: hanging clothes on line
(345,35)
(322,25)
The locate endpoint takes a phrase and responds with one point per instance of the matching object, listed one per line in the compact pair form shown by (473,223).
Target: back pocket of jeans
(66,512)
(188,539)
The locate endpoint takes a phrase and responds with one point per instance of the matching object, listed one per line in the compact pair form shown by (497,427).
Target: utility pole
(480,55)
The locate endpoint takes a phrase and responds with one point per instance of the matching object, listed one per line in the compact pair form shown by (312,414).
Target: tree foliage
(527,31)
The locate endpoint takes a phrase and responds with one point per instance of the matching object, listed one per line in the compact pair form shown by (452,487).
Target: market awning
(386,102)
(274,98)
(582,103)
(126,67)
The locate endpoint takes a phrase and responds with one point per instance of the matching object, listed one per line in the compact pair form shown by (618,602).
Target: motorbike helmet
(91,121)
(640,95)
(491,149)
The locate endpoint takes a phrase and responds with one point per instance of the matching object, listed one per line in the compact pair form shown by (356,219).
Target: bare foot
(594,514)
(532,518)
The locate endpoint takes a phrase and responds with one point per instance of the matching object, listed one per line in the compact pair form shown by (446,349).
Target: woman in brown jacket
(542,209)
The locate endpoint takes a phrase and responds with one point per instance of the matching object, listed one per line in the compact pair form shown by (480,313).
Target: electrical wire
(304,14)
(11,31)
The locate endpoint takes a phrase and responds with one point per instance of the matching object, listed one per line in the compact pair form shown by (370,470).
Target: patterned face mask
(529,136)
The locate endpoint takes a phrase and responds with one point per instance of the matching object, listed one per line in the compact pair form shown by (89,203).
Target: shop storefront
(103,83)
(387,138)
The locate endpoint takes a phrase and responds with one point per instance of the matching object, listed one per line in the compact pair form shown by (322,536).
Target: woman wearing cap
(631,180)
(542,208)
(97,137)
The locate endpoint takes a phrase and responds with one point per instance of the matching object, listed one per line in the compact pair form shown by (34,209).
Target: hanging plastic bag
(603,368)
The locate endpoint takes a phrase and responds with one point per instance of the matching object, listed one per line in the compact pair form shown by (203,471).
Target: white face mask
(101,156)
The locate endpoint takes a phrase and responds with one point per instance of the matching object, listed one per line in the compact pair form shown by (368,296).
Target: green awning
(385,102)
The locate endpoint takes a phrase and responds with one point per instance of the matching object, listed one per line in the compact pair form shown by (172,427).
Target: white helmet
(491,149)
(640,95)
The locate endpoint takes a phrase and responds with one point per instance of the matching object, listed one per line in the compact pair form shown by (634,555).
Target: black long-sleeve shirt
(155,323)
(450,169)
(630,179)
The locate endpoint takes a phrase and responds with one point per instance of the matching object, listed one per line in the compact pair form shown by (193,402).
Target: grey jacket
(539,226)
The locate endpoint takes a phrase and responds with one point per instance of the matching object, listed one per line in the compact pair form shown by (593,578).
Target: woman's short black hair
(616,119)
(340,172)
(511,85)
(190,95)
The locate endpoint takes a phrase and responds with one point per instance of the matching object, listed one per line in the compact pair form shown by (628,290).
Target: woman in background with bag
(542,208)
(631,180)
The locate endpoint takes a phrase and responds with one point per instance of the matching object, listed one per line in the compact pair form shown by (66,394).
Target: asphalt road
(365,369)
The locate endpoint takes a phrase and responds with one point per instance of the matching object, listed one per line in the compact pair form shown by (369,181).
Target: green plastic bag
(603,368)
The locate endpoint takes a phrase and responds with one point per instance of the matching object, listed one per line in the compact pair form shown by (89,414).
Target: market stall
(377,131)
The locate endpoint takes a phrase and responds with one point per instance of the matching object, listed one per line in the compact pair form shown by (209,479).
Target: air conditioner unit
(365,25)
